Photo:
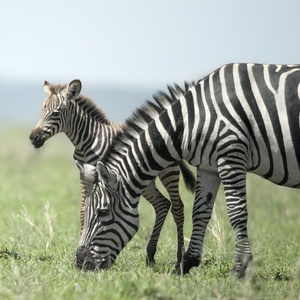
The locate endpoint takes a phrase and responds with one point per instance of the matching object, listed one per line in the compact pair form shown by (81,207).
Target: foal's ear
(47,88)
(73,89)
(108,176)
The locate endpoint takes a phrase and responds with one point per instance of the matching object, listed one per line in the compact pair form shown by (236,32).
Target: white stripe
(280,103)
(276,156)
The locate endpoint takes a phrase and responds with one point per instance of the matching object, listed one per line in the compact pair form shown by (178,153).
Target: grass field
(39,221)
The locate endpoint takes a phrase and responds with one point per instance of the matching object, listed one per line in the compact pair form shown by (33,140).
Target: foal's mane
(89,106)
(85,104)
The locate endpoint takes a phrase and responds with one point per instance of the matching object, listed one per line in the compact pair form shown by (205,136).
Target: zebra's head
(110,221)
(51,120)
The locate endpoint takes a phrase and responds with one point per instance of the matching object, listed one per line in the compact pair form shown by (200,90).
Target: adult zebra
(241,118)
(91,133)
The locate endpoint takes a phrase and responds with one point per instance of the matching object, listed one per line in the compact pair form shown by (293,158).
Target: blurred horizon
(124,52)
(116,102)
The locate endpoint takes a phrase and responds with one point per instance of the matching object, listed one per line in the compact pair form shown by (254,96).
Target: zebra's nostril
(34,136)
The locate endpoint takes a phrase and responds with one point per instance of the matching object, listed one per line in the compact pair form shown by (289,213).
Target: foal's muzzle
(37,138)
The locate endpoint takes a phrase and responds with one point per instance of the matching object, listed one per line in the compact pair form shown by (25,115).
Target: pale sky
(142,42)
(139,44)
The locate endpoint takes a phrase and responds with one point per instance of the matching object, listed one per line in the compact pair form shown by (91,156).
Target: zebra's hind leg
(161,207)
(233,177)
(170,179)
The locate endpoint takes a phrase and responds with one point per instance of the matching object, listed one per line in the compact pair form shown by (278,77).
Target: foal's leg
(206,191)
(161,207)
(170,179)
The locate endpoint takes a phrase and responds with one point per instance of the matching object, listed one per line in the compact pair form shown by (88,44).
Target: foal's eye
(102,212)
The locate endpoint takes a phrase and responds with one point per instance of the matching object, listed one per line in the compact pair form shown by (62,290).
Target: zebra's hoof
(150,262)
(237,274)
(177,270)
(189,262)
(241,270)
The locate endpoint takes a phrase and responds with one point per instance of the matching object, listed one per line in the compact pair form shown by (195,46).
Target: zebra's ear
(47,88)
(87,171)
(109,177)
(73,89)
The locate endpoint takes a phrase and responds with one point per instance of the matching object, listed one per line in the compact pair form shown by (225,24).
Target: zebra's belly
(289,177)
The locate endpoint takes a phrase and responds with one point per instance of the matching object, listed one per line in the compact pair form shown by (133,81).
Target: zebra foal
(241,118)
(91,133)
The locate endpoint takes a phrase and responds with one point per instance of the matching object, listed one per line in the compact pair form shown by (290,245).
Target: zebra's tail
(188,176)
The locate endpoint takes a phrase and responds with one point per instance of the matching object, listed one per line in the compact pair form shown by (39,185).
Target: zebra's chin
(87,262)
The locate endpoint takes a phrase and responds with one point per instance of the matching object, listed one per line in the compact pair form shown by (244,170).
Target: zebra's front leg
(206,192)
(234,181)
(170,179)
(161,207)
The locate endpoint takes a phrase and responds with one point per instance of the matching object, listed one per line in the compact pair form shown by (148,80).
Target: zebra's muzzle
(37,138)
(86,261)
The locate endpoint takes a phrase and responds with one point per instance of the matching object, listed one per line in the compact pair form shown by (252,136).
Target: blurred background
(124,51)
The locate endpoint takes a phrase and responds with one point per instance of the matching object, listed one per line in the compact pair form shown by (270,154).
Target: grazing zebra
(89,130)
(241,118)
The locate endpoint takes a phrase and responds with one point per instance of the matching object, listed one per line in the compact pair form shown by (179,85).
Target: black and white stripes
(241,118)
(92,134)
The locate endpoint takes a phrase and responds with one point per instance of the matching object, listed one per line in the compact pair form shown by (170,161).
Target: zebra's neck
(89,130)
(149,143)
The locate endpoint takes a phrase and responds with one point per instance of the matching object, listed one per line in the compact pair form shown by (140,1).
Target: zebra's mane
(89,106)
(143,116)
(84,103)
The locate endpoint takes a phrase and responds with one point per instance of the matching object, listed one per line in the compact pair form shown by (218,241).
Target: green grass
(39,221)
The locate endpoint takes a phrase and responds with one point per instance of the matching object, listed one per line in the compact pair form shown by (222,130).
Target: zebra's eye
(55,113)
(102,212)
